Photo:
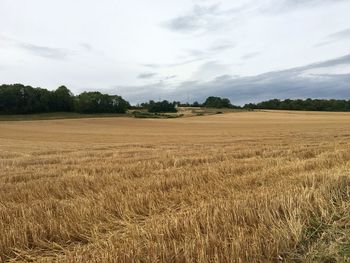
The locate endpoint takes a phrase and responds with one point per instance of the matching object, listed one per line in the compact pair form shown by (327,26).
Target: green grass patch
(326,234)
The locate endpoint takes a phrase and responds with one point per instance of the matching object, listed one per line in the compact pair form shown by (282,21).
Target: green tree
(217,102)
(20,99)
(299,104)
(161,106)
(63,99)
(96,102)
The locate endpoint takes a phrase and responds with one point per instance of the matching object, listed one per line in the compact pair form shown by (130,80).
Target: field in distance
(236,187)
(182,112)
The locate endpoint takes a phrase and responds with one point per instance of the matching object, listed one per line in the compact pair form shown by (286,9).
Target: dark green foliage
(217,102)
(161,106)
(96,102)
(196,104)
(20,99)
(307,105)
(17,99)
(63,99)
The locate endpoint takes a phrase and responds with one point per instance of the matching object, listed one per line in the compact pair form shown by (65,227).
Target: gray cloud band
(277,84)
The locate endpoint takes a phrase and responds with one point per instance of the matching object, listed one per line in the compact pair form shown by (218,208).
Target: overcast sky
(246,50)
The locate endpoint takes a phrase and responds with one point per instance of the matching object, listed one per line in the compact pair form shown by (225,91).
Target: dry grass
(202,111)
(237,187)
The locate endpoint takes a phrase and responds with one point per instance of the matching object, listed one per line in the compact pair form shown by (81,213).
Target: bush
(217,102)
(160,107)
(96,102)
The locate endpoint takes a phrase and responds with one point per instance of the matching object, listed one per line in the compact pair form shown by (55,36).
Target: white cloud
(89,45)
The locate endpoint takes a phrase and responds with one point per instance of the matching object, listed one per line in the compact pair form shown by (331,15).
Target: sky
(185,50)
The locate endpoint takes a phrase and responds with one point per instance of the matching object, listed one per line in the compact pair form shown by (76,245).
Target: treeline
(20,99)
(210,102)
(217,102)
(166,106)
(299,104)
(161,106)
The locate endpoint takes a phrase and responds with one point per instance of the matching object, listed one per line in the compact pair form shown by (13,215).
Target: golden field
(234,187)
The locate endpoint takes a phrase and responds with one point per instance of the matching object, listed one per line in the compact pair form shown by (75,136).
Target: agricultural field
(269,186)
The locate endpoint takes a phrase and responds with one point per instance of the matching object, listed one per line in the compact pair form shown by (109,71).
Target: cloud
(36,50)
(339,35)
(304,2)
(138,94)
(332,62)
(279,6)
(146,75)
(86,46)
(250,55)
(200,17)
(46,52)
(291,83)
(170,65)
(166,40)
(210,69)
(204,17)
(170,77)
(222,46)
(211,51)
(151,65)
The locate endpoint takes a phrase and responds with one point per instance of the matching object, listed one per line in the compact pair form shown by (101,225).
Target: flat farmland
(269,186)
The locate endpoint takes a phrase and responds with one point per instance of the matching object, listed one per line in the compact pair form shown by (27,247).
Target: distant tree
(63,99)
(96,102)
(11,97)
(161,106)
(299,104)
(217,102)
(20,99)
(196,104)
